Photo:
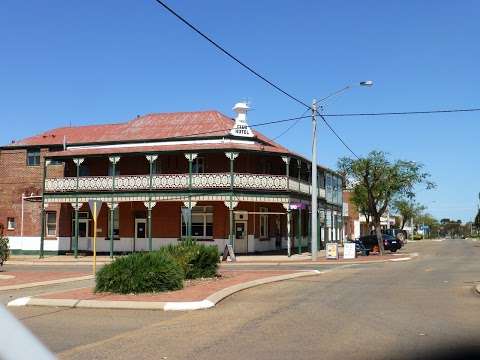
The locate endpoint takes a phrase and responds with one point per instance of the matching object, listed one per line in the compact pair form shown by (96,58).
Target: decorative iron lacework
(180,181)
(257,181)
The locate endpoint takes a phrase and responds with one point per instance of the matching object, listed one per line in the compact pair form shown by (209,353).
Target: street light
(314,217)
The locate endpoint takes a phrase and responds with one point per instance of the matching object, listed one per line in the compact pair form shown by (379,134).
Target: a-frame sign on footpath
(95,206)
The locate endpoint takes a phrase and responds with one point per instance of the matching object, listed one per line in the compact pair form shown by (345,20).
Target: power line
(404,112)
(254,72)
(338,136)
(292,97)
(291,126)
(226,52)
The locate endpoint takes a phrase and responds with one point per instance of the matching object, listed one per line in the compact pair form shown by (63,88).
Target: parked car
(401,235)
(389,242)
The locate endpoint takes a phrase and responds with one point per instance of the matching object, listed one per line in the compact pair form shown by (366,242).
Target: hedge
(196,260)
(140,273)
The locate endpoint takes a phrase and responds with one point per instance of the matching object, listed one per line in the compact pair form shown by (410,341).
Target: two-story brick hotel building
(161,178)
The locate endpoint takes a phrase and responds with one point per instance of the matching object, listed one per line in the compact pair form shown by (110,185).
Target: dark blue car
(389,242)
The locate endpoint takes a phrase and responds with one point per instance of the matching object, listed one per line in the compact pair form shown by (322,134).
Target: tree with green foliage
(4,247)
(476,222)
(430,221)
(359,199)
(408,209)
(383,181)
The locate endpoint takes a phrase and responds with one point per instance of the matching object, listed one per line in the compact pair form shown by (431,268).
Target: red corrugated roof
(151,127)
(164,148)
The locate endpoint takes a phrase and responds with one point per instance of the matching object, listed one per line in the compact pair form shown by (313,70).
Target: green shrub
(140,273)
(417,237)
(196,260)
(4,249)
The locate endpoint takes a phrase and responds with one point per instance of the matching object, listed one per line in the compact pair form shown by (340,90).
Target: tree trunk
(378,230)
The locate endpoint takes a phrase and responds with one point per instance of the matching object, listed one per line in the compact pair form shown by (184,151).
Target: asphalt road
(425,308)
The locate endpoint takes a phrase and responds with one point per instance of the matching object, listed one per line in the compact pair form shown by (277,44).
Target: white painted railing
(180,181)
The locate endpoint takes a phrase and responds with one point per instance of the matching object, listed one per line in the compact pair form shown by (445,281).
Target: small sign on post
(228,251)
(95,206)
(332,251)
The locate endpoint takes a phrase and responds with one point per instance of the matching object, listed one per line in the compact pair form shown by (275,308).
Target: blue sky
(87,62)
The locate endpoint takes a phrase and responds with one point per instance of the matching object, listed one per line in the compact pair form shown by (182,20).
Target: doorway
(84,241)
(140,235)
(241,237)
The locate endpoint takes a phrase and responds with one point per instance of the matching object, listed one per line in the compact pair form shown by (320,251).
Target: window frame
(197,163)
(157,167)
(47,223)
(116,222)
(9,227)
(37,154)
(264,218)
(206,212)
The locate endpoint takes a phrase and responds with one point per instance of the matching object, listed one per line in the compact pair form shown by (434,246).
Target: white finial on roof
(241,127)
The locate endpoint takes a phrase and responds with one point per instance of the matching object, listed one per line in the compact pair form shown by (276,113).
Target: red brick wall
(352,215)
(17,178)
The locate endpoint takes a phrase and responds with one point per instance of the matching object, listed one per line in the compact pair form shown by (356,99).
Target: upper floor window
(110,170)
(264,166)
(11,224)
(156,167)
(33,157)
(198,166)
(84,171)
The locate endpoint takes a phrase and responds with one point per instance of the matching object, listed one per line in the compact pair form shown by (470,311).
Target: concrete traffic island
(198,294)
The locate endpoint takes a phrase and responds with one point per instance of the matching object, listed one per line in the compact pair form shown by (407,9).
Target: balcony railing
(180,182)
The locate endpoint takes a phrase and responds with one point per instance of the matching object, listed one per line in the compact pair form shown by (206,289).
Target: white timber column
(149,205)
(114,160)
(231,156)
(191,158)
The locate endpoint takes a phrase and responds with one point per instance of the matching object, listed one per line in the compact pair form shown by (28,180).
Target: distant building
(356,223)
(162,178)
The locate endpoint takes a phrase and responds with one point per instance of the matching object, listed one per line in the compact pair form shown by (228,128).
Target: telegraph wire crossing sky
(84,64)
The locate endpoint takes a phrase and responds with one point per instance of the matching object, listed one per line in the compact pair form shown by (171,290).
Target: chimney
(241,128)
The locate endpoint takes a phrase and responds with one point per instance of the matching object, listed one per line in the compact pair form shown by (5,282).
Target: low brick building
(161,178)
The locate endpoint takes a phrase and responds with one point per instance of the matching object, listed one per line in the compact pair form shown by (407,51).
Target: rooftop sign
(241,128)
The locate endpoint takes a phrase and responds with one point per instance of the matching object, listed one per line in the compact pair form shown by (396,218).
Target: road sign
(186,212)
(95,206)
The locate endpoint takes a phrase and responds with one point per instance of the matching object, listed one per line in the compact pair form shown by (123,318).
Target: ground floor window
(116,224)
(51,223)
(202,222)
(11,224)
(263,223)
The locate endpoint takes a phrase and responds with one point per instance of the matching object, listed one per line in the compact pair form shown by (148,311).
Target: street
(391,310)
